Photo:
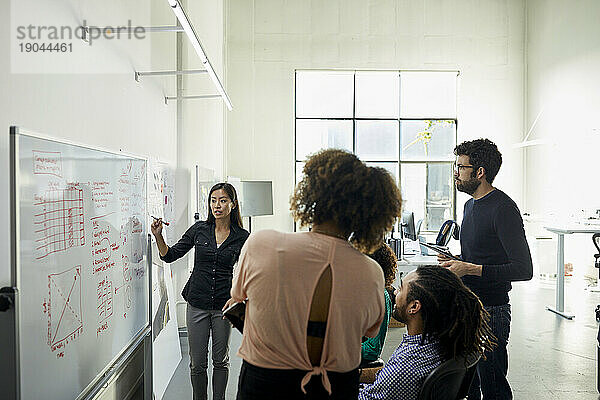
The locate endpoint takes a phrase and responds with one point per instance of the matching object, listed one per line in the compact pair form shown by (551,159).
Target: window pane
(391,167)
(299,174)
(427,140)
(428,94)
(324,94)
(377,94)
(412,183)
(439,195)
(313,135)
(439,184)
(461,199)
(436,215)
(377,140)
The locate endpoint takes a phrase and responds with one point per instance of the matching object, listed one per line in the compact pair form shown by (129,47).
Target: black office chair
(596,240)
(449,229)
(418,226)
(368,370)
(450,381)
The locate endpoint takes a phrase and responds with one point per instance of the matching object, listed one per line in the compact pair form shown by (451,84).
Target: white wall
(563,80)
(266,40)
(563,61)
(204,119)
(113,111)
(109,110)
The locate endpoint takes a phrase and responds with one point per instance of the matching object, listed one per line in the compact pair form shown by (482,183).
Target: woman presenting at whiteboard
(217,243)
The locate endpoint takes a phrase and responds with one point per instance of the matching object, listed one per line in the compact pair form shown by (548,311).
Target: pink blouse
(278,274)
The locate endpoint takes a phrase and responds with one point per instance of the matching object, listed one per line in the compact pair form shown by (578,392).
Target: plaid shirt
(406,370)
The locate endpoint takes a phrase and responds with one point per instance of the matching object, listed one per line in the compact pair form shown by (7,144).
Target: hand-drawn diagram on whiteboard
(102,247)
(106,257)
(126,286)
(65,320)
(105,304)
(59,222)
(161,195)
(81,262)
(47,163)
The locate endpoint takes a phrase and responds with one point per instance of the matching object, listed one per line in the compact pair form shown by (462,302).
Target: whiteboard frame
(14,250)
(116,364)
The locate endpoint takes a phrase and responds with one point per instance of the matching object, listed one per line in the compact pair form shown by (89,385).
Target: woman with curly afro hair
(339,192)
(311,296)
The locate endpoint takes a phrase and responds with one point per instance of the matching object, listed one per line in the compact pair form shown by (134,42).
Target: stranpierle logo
(87,36)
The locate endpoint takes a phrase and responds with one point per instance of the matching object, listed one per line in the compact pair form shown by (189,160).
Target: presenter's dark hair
(482,153)
(362,201)
(235,217)
(388,262)
(451,313)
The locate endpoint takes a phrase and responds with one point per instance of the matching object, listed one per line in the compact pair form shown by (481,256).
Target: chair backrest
(596,240)
(448,230)
(368,370)
(418,226)
(449,381)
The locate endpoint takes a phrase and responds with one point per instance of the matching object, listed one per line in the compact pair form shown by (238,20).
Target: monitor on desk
(408,226)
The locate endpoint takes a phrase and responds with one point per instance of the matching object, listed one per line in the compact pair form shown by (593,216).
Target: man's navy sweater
(492,235)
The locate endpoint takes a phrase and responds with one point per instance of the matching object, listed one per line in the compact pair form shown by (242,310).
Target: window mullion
(432,168)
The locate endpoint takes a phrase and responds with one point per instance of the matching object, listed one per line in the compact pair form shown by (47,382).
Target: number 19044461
(46,47)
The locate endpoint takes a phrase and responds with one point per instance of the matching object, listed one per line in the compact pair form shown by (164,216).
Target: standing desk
(561,231)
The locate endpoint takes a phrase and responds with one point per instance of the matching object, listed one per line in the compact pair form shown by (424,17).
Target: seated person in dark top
(372,347)
(444,320)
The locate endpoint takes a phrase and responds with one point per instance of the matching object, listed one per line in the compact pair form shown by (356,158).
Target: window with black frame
(403,121)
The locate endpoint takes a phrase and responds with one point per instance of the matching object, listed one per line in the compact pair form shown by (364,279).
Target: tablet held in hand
(235,314)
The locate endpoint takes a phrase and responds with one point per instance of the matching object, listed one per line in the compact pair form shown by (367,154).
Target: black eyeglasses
(457,167)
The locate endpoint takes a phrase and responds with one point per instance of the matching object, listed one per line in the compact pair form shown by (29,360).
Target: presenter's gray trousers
(201,324)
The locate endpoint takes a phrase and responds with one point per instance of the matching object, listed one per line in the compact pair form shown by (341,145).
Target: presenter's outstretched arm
(156,229)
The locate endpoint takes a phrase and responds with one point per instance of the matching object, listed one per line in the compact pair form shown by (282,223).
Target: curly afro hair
(387,260)
(362,201)
(482,153)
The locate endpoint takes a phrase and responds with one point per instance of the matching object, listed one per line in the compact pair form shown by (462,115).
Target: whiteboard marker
(164,222)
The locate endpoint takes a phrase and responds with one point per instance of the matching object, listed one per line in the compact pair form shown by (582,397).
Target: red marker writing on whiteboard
(164,222)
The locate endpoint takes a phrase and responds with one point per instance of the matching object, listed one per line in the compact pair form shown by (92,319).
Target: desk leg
(560,280)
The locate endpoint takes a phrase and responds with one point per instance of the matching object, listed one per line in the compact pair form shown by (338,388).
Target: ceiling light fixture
(191,33)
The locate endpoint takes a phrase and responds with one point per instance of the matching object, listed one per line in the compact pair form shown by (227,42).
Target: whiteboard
(81,265)
(161,196)
(205,180)
(166,350)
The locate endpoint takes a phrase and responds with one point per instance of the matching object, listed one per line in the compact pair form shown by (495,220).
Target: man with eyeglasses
(494,253)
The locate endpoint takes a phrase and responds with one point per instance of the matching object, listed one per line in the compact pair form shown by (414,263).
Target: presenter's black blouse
(209,285)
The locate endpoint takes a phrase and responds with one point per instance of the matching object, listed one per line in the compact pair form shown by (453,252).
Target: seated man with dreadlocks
(444,320)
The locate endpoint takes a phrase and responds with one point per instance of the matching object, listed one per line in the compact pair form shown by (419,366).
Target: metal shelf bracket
(139,74)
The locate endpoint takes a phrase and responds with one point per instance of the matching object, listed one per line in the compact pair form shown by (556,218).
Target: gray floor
(550,357)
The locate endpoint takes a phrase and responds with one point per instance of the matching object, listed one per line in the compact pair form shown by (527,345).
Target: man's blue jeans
(490,379)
